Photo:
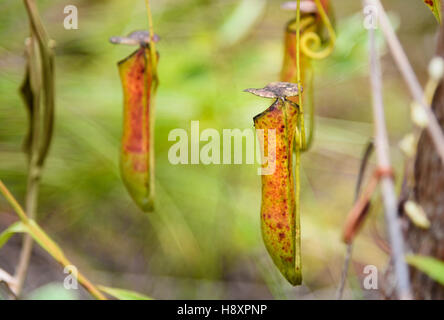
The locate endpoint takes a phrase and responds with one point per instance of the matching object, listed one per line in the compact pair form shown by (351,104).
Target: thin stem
(34,168)
(311,130)
(346,266)
(298,73)
(39,34)
(152,42)
(152,108)
(46,242)
(300,144)
(362,169)
(387,186)
(25,254)
(13,202)
(433,127)
(349,246)
(40,60)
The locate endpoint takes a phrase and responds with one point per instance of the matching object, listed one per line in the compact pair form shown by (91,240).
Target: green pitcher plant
(139,84)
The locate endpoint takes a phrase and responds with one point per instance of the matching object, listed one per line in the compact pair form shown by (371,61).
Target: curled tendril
(306,24)
(311,41)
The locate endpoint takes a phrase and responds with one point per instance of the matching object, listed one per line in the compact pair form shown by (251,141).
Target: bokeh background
(203,241)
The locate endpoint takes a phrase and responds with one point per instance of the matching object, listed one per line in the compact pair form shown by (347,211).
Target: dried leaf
(48,106)
(358,213)
(30,92)
(276,90)
(43,61)
(139,37)
(28,99)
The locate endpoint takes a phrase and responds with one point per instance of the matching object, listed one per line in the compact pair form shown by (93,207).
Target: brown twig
(8,281)
(382,152)
(346,266)
(433,127)
(357,214)
(349,246)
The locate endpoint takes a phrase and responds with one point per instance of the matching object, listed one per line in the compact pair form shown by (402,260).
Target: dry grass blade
(34,230)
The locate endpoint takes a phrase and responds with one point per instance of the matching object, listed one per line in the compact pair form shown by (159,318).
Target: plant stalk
(298,74)
(152,42)
(25,254)
(387,185)
(433,128)
(46,242)
(40,60)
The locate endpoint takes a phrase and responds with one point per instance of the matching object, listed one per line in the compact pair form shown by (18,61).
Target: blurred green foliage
(53,291)
(204,239)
